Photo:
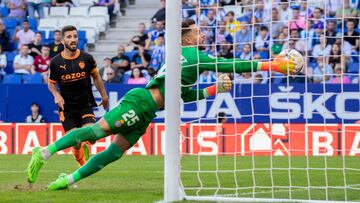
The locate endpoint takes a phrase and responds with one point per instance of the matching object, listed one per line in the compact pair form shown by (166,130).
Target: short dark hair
(264,28)
(351,20)
(25,21)
(67,29)
(185,26)
(39,33)
(57,31)
(35,104)
(230,13)
(317,8)
(45,45)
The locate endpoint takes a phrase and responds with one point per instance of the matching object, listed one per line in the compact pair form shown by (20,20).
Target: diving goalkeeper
(130,118)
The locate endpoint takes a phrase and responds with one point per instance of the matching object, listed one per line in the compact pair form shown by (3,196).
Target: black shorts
(76,118)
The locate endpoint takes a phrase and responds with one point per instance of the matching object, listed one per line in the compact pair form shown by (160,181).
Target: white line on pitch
(24,171)
(270,191)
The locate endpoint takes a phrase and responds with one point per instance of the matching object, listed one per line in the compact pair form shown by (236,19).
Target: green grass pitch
(140,178)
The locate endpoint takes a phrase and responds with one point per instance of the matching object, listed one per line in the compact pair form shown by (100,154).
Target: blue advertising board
(281,103)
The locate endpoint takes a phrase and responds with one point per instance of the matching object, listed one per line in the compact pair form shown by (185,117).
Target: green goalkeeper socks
(96,163)
(88,133)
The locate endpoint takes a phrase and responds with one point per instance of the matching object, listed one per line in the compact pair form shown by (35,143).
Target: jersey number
(130,117)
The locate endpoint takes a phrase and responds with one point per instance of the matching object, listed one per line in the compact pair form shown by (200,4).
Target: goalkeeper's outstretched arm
(192,37)
(219,64)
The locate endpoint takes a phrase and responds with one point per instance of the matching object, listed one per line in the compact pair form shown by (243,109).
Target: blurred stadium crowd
(326,32)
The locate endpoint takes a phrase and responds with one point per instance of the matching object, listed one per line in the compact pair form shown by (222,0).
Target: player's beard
(69,47)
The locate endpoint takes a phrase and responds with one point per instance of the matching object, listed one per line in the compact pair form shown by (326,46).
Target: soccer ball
(292,54)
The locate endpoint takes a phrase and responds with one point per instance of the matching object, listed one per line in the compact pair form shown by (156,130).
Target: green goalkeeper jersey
(193,63)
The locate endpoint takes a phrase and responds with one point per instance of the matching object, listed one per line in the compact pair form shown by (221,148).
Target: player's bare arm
(59,100)
(100,87)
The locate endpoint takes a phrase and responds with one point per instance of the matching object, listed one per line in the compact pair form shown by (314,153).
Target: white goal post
(305,145)
(172,101)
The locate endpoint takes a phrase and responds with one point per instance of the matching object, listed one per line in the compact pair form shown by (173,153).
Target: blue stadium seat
(245,18)
(47,39)
(278,78)
(11,32)
(51,36)
(82,39)
(33,79)
(264,55)
(81,44)
(12,79)
(312,65)
(10,23)
(355,56)
(82,35)
(10,59)
(43,34)
(4,11)
(130,54)
(125,78)
(13,46)
(33,24)
(353,67)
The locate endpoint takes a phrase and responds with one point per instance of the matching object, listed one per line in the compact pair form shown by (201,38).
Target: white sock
(70,179)
(45,153)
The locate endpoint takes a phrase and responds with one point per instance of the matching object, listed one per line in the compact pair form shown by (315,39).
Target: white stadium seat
(82,11)
(91,30)
(66,21)
(236,9)
(46,11)
(101,23)
(86,2)
(99,11)
(48,24)
(59,12)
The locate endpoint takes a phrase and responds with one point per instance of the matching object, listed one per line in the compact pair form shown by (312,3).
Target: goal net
(276,137)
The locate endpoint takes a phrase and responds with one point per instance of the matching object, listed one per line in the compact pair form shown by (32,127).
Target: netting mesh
(276,136)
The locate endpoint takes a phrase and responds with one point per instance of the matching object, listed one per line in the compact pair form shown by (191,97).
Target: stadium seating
(264,54)
(91,30)
(130,54)
(50,38)
(355,56)
(12,79)
(10,59)
(93,20)
(101,23)
(4,11)
(48,24)
(82,11)
(353,67)
(10,23)
(59,12)
(85,3)
(82,39)
(99,11)
(65,21)
(46,11)
(33,79)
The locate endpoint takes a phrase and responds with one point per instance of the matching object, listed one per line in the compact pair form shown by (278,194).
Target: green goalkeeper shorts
(132,115)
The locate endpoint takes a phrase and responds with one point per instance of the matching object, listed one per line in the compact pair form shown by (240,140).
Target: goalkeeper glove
(223,84)
(280,64)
